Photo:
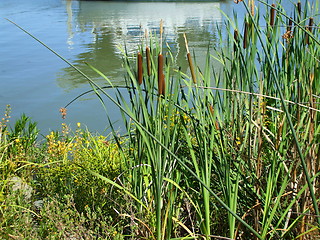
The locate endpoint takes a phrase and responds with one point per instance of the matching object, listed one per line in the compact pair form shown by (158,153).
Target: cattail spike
(310,24)
(289,27)
(193,75)
(299,9)
(236,39)
(140,69)
(309,28)
(161,83)
(272,15)
(245,37)
(148,61)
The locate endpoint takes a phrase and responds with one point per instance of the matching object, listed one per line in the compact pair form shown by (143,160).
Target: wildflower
(78,125)
(63,112)
(288,35)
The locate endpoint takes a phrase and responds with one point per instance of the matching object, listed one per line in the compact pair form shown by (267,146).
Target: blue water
(36,82)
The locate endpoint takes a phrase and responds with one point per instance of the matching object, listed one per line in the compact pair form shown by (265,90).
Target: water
(36,82)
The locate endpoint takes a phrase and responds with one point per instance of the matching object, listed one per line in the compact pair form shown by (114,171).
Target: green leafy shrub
(64,171)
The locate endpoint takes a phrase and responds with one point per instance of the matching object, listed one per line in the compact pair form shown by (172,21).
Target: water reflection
(109,25)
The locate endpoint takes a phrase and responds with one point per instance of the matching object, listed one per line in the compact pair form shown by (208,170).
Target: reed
(140,69)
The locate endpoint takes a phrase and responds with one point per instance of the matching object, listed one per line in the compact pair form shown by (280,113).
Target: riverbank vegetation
(228,150)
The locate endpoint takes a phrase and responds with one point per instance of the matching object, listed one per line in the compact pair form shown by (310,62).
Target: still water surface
(35,82)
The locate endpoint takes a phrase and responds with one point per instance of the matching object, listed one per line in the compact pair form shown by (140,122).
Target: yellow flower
(78,125)
(17,140)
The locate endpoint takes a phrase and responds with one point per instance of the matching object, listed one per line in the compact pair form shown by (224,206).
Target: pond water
(36,82)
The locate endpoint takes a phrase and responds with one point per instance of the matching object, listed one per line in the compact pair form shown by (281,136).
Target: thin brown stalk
(161,33)
(140,221)
(251,6)
(279,134)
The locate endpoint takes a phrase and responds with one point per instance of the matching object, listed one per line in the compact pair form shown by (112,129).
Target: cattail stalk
(251,5)
(161,32)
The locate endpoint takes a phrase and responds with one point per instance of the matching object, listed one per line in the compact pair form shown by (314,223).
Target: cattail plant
(309,30)
(272,15)
(148,55)
(236,39)
(246,35)
(140,69)
(193,75)
(299,10)
(161,77)
(161,81)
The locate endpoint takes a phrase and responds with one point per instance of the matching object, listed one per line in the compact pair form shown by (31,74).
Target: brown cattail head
(161,83)
(236,39)
(148,60)
(193,75)
(309,28)
(272,15)
(289,27)
(245,37)
(140,69)
(299,9)
(310,24)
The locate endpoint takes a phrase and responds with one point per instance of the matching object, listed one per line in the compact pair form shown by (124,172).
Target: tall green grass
(231,150)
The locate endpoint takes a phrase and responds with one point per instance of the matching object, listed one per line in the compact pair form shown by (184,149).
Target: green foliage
(61,174)
(53,218)
(55,198)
